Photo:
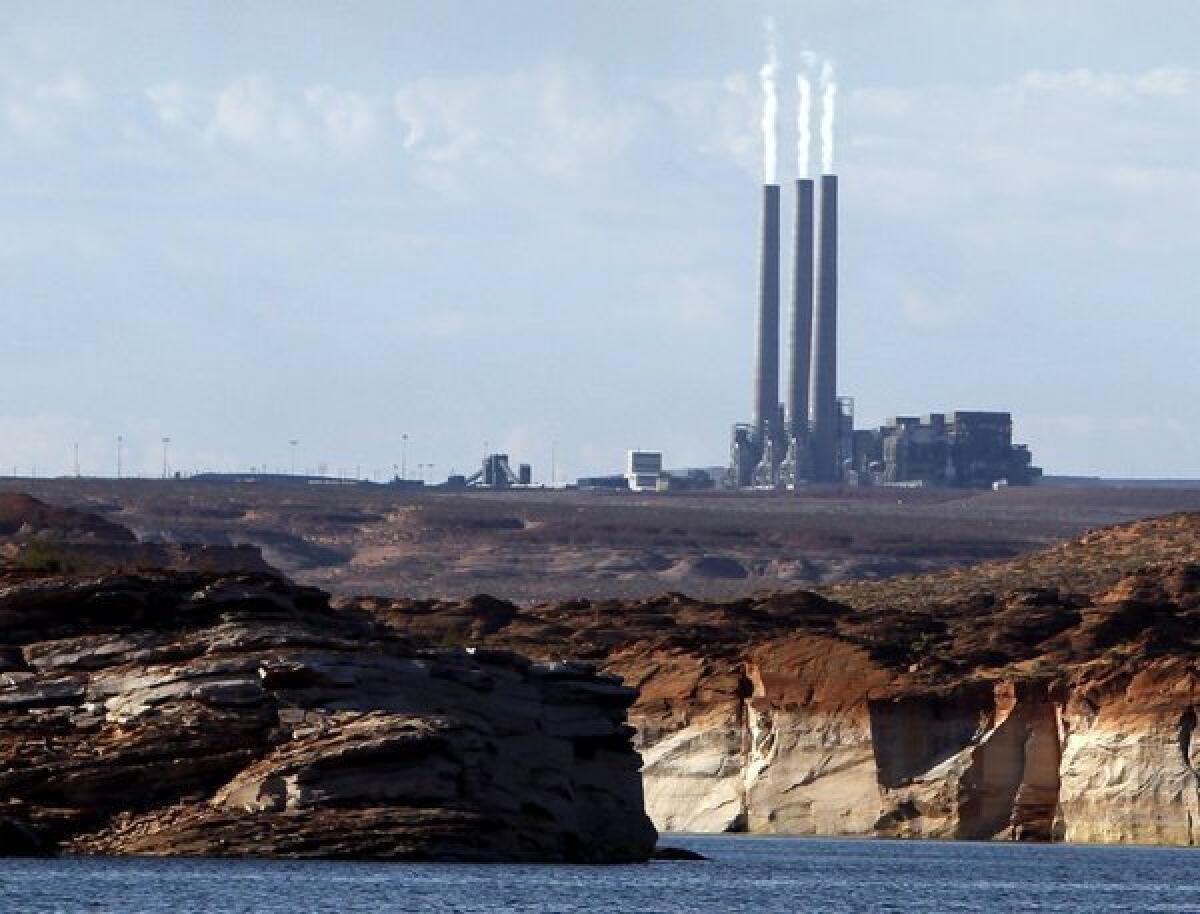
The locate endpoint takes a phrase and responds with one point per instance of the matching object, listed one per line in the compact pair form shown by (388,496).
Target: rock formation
(192,713)
(1051,697)
(1027,714)
(38,536)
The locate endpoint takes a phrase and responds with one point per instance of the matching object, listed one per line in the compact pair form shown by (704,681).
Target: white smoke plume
(803,125)
(770,113)
(828,95)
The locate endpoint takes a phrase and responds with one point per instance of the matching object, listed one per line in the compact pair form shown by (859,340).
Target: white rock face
(1130,766)
(1001,760)
(783,772)
(764,763)
(811,774)
(695,779)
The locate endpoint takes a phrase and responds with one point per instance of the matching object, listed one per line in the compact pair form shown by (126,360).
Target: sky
(422,230)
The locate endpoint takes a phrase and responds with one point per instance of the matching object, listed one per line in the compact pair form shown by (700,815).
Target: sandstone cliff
(189,713)
(1033,714)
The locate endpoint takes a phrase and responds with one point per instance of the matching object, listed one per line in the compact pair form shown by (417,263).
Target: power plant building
(643,470)
(787,443)
(966,449)
(810,438)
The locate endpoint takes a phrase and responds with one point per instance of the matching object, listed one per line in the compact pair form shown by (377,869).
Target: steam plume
(803,125)
(828,94)
(770,113)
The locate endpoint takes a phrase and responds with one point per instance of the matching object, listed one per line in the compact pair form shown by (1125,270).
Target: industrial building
(967,449)
(810,438)
(643,470)
(494,473)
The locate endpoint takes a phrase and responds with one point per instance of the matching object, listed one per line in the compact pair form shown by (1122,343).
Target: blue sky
(533,224)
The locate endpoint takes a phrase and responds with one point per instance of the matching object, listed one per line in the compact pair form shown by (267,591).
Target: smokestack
(823,402)
(766,375)
(802,313)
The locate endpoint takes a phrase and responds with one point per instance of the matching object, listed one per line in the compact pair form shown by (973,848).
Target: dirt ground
(533,546)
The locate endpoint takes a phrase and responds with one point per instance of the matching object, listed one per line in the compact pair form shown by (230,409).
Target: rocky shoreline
(238,715)
(1032,714)
(234,713)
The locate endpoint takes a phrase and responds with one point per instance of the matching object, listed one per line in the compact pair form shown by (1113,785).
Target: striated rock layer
(188,713)
(1031,714)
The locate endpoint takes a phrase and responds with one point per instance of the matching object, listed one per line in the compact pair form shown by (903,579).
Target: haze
(534,225)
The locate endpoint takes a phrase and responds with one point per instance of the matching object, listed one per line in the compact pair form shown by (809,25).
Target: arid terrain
(1052,695)
(1049,698)
(533,546)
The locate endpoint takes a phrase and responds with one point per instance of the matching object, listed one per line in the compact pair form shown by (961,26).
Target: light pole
(404,455)
(166,466)
(76,459)
(292,443)
(120,443)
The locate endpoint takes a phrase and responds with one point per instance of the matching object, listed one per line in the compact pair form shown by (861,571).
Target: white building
(643,469)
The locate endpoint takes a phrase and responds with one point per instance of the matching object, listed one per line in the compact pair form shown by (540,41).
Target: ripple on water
(744,874)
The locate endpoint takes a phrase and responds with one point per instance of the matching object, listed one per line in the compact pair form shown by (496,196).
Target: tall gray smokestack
(766,373)
(823,402)
(802,314)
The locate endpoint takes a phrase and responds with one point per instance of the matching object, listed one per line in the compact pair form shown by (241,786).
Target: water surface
(745,874)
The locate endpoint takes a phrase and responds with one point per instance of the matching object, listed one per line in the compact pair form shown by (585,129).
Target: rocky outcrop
(42,537)
(1084,735)
(1033,714)
(253,718)
(186,713)
(25,516)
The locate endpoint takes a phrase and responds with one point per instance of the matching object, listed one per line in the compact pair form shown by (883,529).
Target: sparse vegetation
(44,556)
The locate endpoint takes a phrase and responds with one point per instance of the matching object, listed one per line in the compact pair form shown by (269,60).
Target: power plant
(797,441)
(810,438)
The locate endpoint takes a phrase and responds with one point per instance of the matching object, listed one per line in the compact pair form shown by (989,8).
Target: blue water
(748,874)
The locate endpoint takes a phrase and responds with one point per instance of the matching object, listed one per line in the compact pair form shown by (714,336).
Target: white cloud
(42,110)
(350,120)
(720,118)
(553,121)
(1170,82)
(177,107)
(253,114)
(248,112)
(1054,151)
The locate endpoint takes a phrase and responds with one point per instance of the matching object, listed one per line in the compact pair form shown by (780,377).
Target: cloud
(43,110)
(718,117)
(253,114)
(1052,154)
(350,120)
(552,121)
(1166,82)
(175,106)
(249,113)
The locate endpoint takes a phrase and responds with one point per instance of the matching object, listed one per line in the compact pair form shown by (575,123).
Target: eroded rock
(175,713)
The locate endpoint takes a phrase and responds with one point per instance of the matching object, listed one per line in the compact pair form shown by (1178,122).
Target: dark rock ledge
(198,714)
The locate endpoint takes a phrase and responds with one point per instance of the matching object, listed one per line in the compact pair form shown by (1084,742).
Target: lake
(751,874)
